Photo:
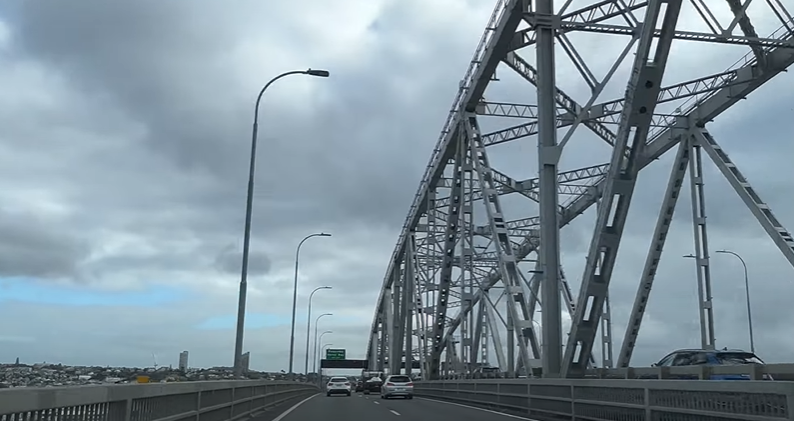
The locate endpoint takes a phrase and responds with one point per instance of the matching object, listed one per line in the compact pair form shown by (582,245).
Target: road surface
(372,407)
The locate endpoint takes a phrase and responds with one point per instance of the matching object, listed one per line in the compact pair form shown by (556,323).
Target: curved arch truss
(479,254)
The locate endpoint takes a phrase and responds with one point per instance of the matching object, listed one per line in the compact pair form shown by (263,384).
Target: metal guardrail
(621,400)
(195,401)
(783,372)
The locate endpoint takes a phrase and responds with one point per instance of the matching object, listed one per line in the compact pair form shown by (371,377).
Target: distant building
(183,361)
(245,361)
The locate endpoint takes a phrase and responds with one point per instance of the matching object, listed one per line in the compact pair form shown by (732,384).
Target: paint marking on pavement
(479,409)
(294,407)
(375,402)
(394,412)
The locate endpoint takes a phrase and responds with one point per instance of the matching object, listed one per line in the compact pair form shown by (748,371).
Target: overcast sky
(124,144)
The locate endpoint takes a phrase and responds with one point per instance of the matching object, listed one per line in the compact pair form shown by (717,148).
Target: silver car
(397,385)
(338,386)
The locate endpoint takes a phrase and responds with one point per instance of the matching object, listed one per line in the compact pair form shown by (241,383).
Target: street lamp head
(326,287)
(324,234)
(318,73)
(722,251)
(689,256)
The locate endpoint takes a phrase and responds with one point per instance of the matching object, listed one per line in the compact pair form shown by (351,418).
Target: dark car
(372,385)
(711,357)
(360,386)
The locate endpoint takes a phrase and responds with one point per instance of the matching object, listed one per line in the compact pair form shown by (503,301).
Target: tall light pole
(747,297)
(315,357)
(249,204)
(316,326)
(321,369)
(308,327)
(295,297)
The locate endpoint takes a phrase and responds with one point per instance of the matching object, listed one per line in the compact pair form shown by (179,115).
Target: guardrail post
(128,409)
(756,372)
(647,401)
(664,373)
(198,406)
(231,405)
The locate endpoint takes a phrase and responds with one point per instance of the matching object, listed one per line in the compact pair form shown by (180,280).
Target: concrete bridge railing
(621,400)
(195,401)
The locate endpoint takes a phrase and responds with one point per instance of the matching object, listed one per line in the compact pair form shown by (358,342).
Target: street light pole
(308,327)
(295,299)
(320,376)
(747,297)
(316,326)
(249,204)
(317,341)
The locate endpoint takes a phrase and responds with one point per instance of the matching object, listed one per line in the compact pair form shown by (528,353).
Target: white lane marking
(375,402)
(479,409)
(394,412)
(294,407)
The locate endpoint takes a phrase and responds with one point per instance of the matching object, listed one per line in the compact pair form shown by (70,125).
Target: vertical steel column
(477,338)
(397,331)
(373,351)
(451,236)
(388,330)
(606,335)
(548,158)
(606,325)
(409,286)
(482,321)
(705,304)
(467,261)
(382,341)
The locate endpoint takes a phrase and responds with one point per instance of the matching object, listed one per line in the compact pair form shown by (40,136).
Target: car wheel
(348,393)
(410,396)
(328,394)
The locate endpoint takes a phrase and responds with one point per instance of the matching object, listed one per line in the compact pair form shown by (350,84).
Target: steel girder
(453,261)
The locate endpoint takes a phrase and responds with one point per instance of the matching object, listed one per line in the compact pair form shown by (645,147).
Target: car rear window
(338,379)
(737,358)
(400,379)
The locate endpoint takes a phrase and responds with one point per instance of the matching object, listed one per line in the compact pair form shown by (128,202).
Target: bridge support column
(407,309)
(705,303)
(397,328)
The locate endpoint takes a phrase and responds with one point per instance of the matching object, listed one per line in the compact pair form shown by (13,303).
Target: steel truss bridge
(457,294)
(470,272)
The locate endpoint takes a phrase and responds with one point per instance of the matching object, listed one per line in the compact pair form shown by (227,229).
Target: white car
(338,386)
(397,385)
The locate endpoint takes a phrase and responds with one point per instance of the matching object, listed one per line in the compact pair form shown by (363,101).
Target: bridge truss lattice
(457,292)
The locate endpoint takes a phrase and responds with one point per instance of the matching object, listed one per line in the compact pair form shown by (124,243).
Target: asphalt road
(372,407)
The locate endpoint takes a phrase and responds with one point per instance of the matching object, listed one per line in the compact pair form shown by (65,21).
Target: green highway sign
(335,354)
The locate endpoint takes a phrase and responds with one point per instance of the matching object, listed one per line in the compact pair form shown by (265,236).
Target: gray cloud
(229,260)
(32,246)
(125,152)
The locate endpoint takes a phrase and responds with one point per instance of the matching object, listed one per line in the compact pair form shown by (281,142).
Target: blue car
(688,357)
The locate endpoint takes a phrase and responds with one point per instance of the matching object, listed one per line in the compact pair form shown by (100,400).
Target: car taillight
(347,384)
(410,384)
(389,384)
(330,384)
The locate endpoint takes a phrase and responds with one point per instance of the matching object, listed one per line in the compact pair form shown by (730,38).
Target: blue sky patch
(41,292)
